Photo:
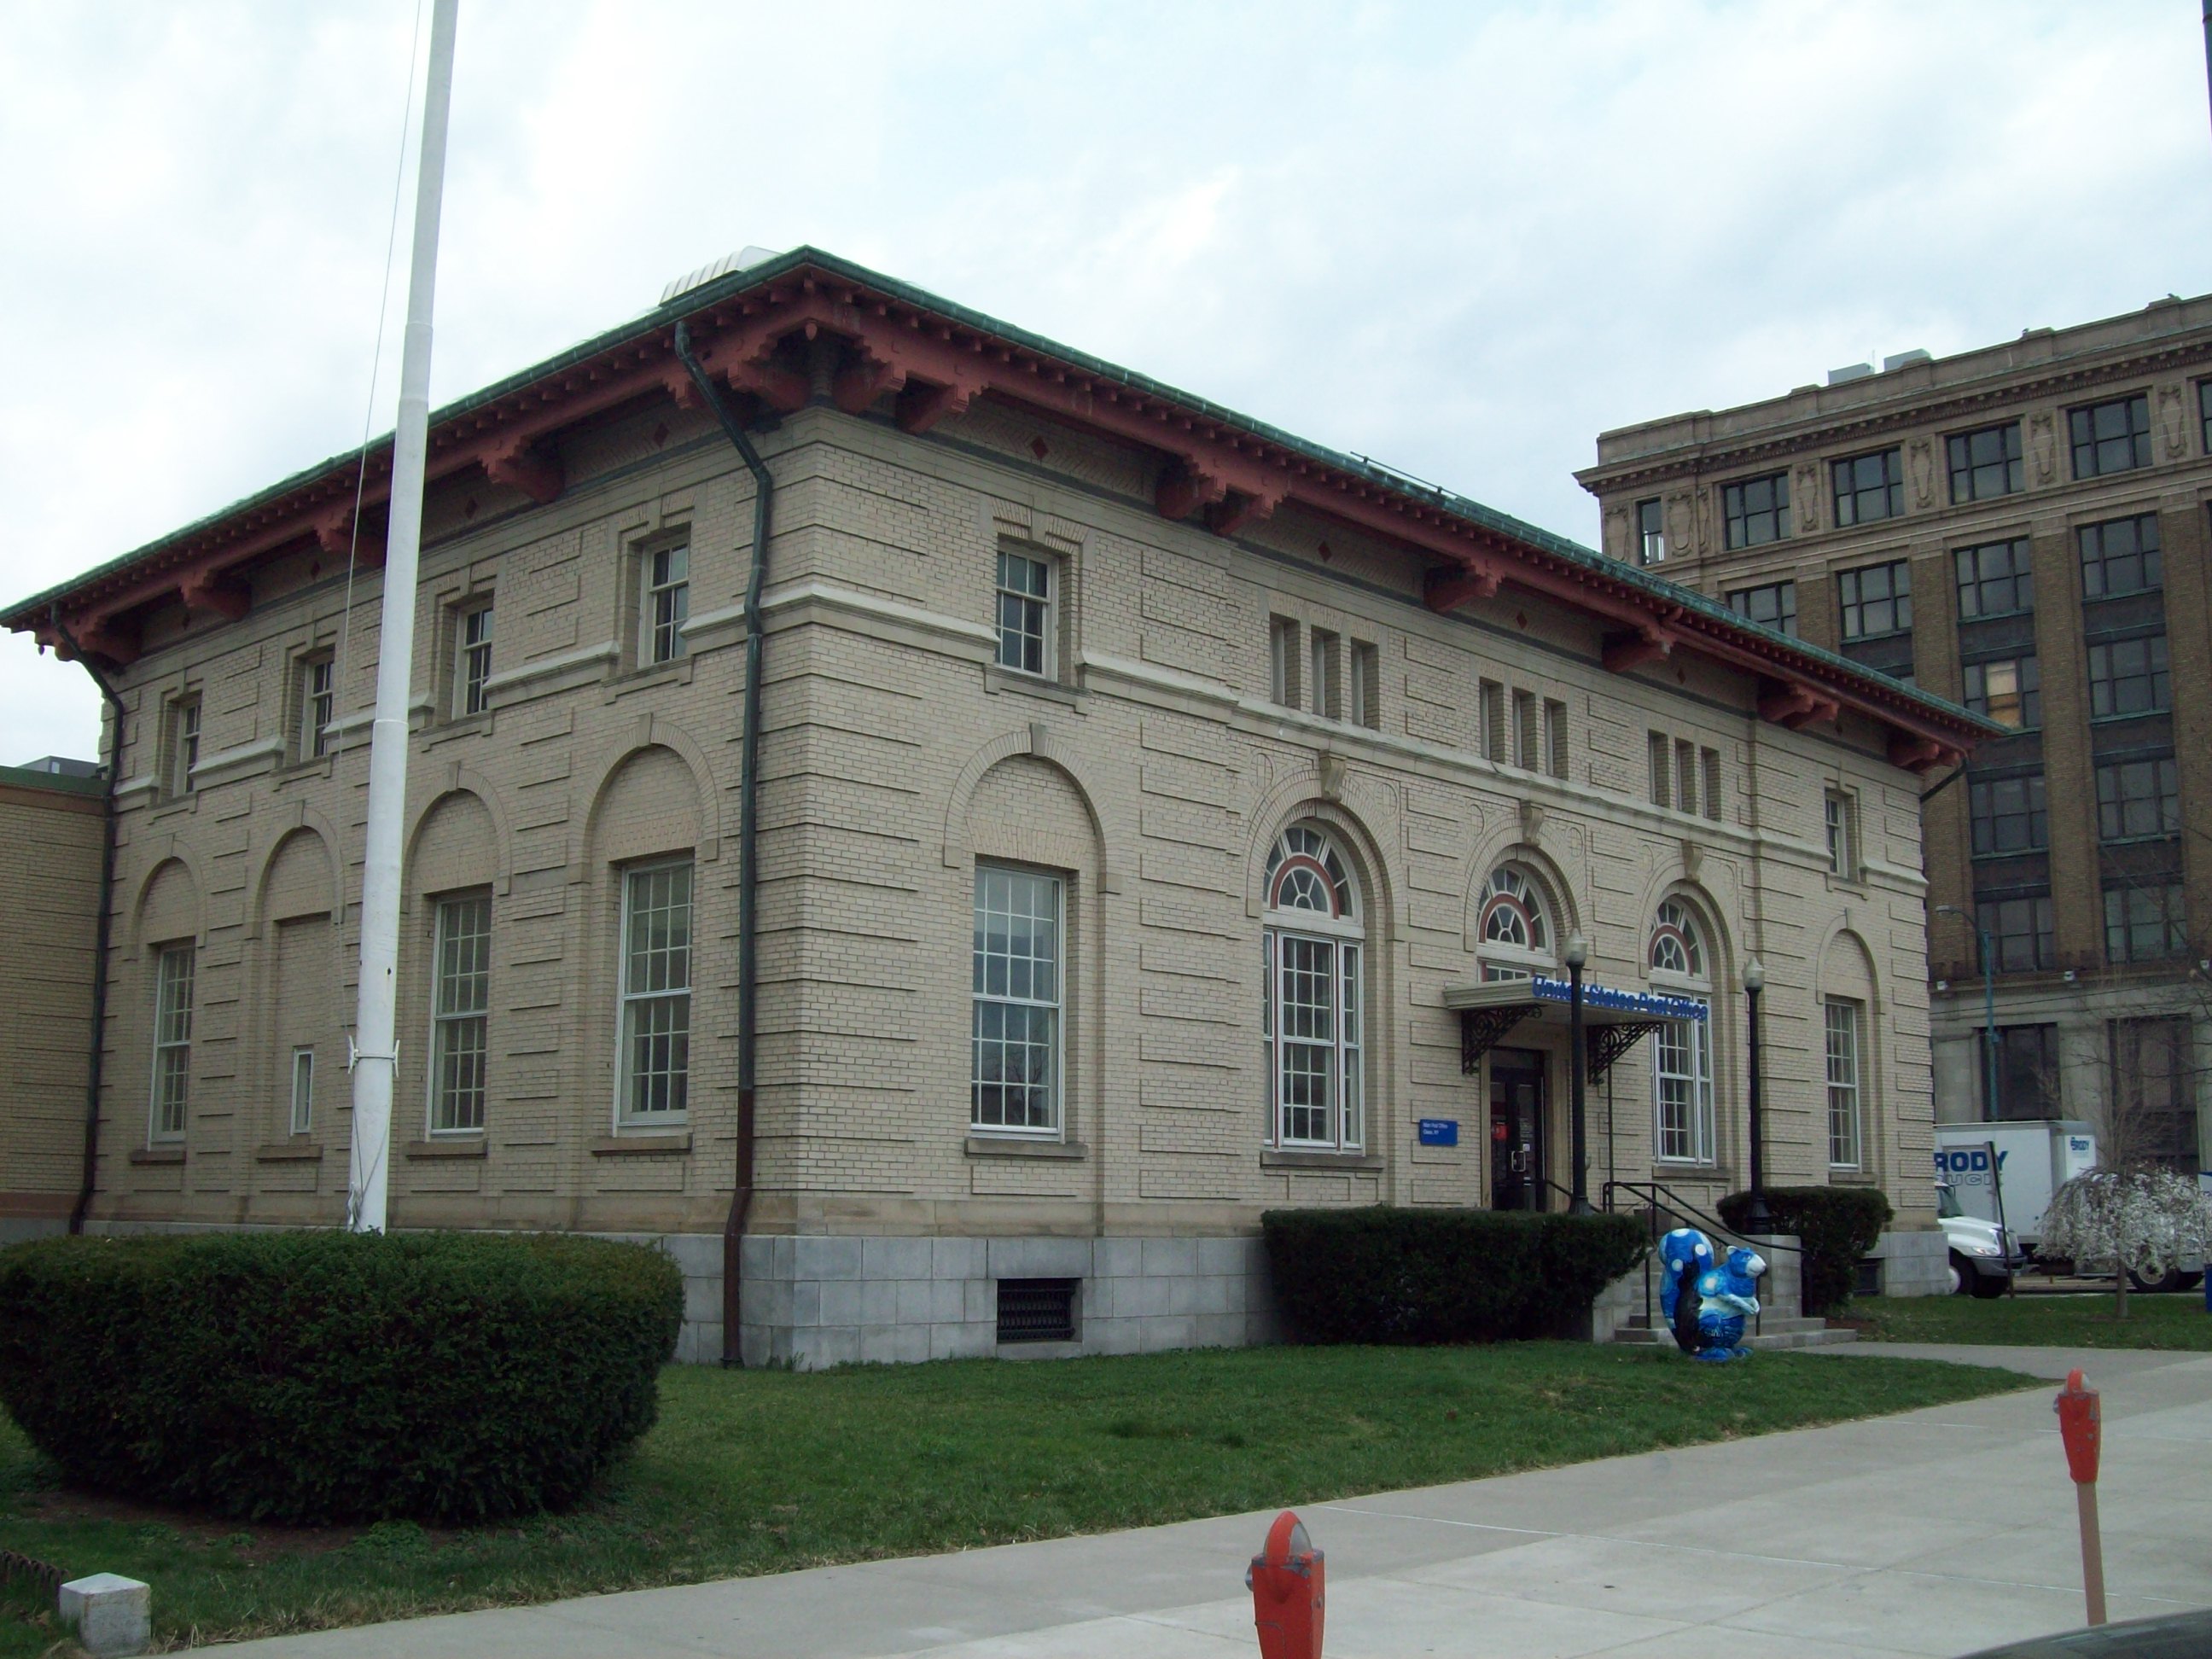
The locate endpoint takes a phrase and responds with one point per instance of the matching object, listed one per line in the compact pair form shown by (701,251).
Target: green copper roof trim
(707,295)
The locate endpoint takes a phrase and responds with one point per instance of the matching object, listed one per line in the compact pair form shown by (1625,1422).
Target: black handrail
(1681,1209)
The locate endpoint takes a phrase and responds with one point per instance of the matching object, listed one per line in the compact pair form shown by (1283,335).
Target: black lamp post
(1578,954)
(1756,1219)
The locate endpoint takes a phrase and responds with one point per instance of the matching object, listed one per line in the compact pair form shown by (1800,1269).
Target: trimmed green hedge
(1837,1225)
(1385,1274)
(312,1376)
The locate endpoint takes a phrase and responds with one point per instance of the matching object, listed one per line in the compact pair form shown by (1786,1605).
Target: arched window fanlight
(1306,872)
(1676,947)
(1516,925)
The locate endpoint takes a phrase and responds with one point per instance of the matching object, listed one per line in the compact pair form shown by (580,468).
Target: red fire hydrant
(1285,1581)
(2081,1425)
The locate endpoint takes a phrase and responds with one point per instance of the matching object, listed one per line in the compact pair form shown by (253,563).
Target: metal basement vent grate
(1036,1309)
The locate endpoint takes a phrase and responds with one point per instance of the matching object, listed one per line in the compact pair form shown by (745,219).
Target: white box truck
(2034,1158)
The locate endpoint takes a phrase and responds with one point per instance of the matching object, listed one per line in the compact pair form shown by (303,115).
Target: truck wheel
(1962,1275)
(2173,1279)
(1986,1287)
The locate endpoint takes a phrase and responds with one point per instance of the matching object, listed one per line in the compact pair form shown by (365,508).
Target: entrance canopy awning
(1613,1021)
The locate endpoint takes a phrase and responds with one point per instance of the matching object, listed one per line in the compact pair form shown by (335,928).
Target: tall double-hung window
(460,1005)
(172,1040)
(665,603)
(1025,614)
(1841,1020)
(656,992)
(1017,985)
(1314,1005)
(1682,1051)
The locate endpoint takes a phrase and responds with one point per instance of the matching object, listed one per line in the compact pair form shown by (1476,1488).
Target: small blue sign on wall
(1439,1130)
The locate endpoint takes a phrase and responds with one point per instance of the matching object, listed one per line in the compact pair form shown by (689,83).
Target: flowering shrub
(2146,1221)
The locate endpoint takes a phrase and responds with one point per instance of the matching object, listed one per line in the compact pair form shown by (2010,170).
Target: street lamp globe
(1577,949)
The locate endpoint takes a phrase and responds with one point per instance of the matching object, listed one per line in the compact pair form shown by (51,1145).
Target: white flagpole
(374,1054)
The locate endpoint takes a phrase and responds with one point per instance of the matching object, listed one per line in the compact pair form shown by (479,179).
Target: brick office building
(2022,528)
(51,817)
(1159,817)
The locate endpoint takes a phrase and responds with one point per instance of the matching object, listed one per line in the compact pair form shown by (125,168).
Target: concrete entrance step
(1775,1331)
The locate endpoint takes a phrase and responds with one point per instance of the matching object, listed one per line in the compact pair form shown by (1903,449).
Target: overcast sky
(1460,238)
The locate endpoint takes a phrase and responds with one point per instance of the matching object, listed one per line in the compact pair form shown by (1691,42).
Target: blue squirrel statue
(1706,1301)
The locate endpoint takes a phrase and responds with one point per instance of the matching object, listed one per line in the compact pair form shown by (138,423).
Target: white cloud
(1462,238)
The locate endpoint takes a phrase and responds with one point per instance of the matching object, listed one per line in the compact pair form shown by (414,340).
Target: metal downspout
(103,931)
(741,1197)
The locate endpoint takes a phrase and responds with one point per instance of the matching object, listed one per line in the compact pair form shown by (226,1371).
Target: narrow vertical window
(1843,1033)
(1685,775)
(1526,737)
(1843,848)
(182,757)
(1366,686)
(1711,757)
(1283,662)
(1024,614)
(1015,984)
(1650,535)
(656,992)
(1662,782)
(1555,737)
(473,660)
(667,601)
(172,1040)
(1327,701)
(460,1004)
(318,686)
(1682,1054)
(303,1091)
(1493,723)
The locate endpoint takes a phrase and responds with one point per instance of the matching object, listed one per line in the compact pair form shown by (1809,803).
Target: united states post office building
(1160,818)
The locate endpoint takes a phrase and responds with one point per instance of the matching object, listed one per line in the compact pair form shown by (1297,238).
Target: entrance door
(1516,1129)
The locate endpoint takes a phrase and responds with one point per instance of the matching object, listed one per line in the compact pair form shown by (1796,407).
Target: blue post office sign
(1439,1130)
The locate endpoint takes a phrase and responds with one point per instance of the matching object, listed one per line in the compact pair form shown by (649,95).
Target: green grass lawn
(2039,1318)
(754,1472)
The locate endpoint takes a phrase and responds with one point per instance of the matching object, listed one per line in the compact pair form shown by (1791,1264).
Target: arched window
(1515,930)
(1311,1017)
(1682,1050)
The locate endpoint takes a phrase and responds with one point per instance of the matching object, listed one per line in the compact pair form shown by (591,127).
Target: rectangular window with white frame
(665,602)
(1311,1027)
(1025,614)
(318,692)
(656,994)
(460,1007)
(1843,1100)
(303,1091)
(1682,1078)
(473,660)
(180,745)
(1016,987)
(172,1040)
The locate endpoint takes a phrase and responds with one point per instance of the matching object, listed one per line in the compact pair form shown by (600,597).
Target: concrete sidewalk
(1934,1532)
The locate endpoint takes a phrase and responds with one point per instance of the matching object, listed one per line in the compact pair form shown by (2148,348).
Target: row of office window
(464,654)
(2149,1074)
(2104,437)
(654,1014)
(2138,799)
(1684,776)
(1313,1006)
(2119,557)
(2145,920)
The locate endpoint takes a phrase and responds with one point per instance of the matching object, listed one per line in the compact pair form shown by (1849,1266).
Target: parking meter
(1285,1581)
(2081,1425)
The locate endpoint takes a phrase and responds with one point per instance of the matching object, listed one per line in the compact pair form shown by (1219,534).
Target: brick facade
(1151,771)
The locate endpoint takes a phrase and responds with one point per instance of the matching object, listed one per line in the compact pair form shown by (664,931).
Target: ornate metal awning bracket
(1603,1044)
(1481,1030)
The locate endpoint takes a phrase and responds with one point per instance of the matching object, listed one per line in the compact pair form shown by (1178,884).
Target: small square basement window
(1036,1309)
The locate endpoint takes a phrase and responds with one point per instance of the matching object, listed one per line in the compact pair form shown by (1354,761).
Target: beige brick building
(2022,528)
(50,855)
(1154,812)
